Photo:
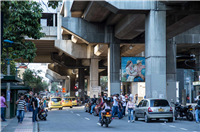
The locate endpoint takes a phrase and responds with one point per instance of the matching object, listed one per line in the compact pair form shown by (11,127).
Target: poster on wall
(133,69)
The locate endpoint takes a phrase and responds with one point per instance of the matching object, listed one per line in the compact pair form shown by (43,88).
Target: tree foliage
(21,18)
(30,76)
(54,86)
(104,82)
(53,4)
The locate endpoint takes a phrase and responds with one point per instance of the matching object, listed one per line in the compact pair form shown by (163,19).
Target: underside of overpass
(92,35)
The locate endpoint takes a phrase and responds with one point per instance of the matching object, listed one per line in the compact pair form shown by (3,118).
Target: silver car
(154,109)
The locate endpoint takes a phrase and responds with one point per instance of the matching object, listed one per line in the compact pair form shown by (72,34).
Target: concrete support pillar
(94,73)
(113,68)
(171,70)
(155,54)
(88,87)
(72,84)
(81,81)
(54,20)
(59,23)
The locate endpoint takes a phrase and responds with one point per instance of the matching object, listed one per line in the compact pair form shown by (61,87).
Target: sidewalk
(27,125)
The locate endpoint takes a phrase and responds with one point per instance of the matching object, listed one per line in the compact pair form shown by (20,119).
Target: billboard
(133,69)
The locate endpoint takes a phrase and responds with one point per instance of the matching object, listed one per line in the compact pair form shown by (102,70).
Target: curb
(36,128)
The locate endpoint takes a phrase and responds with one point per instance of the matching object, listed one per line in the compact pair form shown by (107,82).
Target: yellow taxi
(67,101)
(55,102)
(74,100)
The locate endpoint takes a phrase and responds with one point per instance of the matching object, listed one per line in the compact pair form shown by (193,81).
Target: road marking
(77,114)
(87,118)
(99,124)
(72,112)
(183,129)
(171,126)
(194,131)
(162,123)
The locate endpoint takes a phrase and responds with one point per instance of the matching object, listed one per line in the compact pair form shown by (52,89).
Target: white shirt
(38,102)
(131,97)
(197,98)
(115,102)
(123,100)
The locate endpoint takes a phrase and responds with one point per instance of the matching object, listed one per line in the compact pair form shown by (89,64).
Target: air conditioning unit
(174,2)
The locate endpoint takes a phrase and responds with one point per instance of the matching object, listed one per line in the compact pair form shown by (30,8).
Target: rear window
(66,99)
(55,99)
(73,99)
(159,103)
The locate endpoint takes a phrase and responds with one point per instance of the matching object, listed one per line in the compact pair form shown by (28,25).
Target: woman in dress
(131,71)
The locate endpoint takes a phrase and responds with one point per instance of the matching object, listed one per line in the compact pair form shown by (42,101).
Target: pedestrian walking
(123,104)
(21,108)
(45,102)
(115,106)
(130,109)
(197,112)
(136,98)
(187,99)
(34,104)
(3,106)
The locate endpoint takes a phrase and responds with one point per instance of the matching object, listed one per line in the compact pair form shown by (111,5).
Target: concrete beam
(95,12)
(99,49)
(136,49)
(72,49)
(130,26)
(114,18)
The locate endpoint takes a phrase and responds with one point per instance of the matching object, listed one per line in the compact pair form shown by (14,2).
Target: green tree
(30,77)
(104,82)
(21,18)
(53,4)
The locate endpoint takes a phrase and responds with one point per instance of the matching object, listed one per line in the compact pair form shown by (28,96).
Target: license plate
(160,110)
(190,109)
(43,113)
(66,101)
(108,115)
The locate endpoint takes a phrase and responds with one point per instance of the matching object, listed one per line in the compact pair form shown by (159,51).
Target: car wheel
(71,107)
(170,119)
(147,120)
(157,119)
(136,118)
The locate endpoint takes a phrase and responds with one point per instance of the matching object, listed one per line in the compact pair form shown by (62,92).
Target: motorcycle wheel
(106,123)
(189,116)
(95,113)
(176,115)
(40,117)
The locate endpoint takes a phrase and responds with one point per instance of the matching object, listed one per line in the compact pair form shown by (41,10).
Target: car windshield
(159,103)
(55,99)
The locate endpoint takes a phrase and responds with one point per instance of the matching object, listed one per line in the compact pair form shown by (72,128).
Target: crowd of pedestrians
(119,104)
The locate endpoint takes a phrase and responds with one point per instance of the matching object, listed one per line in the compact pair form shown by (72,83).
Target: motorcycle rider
(106,105)
(115,106)
(93,104)
(197,112)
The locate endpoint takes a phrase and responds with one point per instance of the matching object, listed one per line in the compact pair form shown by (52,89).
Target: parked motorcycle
(183,111)
(42,114)
(107,118)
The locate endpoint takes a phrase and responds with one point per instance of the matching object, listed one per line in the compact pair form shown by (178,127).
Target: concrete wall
(49,31)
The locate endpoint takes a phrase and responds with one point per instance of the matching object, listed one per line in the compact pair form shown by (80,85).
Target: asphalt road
(76,120)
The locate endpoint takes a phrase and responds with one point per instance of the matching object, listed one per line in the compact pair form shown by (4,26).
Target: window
(73,99)
(159,103)
(140,104)
(144,103)
(66,99)
(55,99)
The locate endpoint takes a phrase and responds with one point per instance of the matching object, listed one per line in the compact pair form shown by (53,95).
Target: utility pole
(8,90)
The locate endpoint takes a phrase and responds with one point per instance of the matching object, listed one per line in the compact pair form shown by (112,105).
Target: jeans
(20,115)
(27,106)
(130,114)
(45,105)
(100,115)
(115,109)
(197,113)
(123,111)
(93,106)
(3,113)
(34,118)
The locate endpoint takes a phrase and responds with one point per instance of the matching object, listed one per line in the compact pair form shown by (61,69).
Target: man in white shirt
(124,104)
(197,98)
(115,106)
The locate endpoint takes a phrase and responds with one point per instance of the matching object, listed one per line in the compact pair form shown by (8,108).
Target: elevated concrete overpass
(91,37)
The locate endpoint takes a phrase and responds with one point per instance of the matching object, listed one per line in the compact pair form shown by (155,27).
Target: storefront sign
(196,83)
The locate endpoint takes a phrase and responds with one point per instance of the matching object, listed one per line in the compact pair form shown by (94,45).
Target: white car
(154,109)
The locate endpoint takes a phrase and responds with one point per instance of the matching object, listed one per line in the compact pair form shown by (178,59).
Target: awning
(6,79)
(14,86)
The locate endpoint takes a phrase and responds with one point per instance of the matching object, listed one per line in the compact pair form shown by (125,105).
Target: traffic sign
(79,90)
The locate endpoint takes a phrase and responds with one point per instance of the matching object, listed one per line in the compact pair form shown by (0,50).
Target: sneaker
(128,120)
(90,113)
(132,121)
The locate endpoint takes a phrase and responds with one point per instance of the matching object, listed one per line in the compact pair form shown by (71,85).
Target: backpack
(32,101)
